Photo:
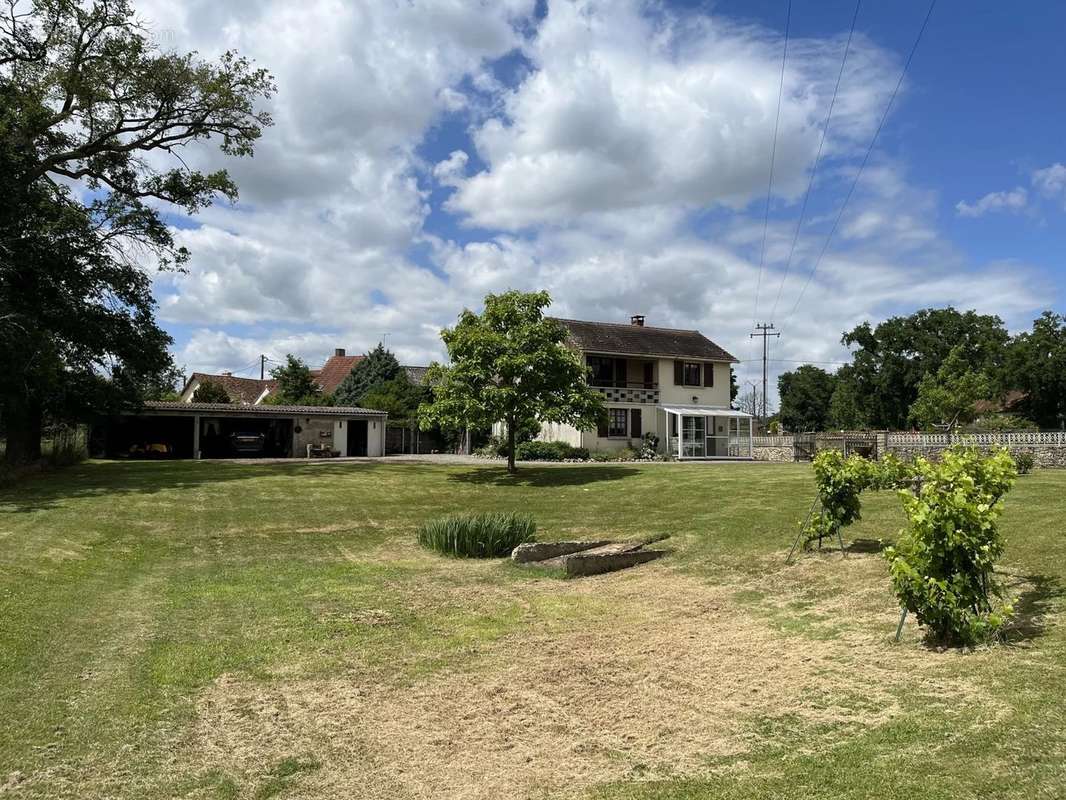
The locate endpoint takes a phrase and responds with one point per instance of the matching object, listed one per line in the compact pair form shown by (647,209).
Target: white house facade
(669,382)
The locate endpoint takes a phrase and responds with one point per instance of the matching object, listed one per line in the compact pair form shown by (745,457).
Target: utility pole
(764,331)
(262,366)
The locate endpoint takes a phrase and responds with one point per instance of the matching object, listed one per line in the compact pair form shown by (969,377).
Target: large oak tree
(93,117)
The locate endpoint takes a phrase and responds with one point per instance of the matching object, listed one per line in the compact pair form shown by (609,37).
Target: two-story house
(673,383)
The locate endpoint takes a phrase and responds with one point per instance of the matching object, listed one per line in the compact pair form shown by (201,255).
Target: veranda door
(693,437)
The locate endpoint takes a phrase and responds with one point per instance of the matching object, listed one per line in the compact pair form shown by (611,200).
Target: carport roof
(238,410)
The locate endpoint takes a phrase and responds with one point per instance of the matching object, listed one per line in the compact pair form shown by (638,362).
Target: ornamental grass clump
(477,535)
(943,566)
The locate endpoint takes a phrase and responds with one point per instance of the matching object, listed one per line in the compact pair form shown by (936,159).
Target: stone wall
(775,453)
(1045,456)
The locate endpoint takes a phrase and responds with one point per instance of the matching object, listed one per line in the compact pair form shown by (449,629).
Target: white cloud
(1014,200)
(628,110)
(1051,181)
(628,120)
(450,171)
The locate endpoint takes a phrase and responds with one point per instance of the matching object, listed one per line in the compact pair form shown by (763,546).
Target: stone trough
(577,558)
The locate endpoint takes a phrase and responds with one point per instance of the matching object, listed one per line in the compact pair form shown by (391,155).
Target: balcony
(629,392)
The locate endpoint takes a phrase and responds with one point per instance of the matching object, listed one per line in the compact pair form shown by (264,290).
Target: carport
(223,430)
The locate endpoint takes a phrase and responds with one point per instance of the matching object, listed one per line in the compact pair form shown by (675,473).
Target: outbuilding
(230,430)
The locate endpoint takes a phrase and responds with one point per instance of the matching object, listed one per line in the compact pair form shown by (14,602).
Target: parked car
(247,443)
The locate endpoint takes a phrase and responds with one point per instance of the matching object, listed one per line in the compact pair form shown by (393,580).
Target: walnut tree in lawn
(510,364)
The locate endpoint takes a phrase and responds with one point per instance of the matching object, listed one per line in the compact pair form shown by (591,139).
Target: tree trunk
(511,468)
(22,423)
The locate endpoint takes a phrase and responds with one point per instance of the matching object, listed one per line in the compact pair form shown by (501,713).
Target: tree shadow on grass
(867,546)
(1032,608)
(46,490)
(543,476)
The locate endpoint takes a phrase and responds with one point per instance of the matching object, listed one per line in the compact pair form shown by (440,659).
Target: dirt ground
(681,677)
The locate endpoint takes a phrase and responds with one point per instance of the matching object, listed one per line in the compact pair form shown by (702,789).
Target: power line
(817,158)
(773,158)
(793,361)
(866,158)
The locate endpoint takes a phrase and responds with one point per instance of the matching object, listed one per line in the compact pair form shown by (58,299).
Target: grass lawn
(217,630)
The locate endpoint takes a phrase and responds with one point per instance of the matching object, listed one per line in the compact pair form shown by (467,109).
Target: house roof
(334,371)
(641,340)
(416,375)
(1009,402)
(240,390)
(233,409)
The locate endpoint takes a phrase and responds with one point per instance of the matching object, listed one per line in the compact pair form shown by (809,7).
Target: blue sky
(618,154)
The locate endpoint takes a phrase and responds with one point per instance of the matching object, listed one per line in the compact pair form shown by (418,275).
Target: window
(692,373)
(602,370)
(607,371)
(616,421)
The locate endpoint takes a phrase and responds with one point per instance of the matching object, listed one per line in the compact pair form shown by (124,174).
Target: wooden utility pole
(764,331)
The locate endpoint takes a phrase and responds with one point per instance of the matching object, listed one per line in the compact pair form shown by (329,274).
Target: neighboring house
(335,370)
(243,391)
(669,382)
(253,391)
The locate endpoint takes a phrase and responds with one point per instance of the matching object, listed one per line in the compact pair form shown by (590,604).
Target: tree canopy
(397,396)
(376,367)
(1036,364)
(295,385)
(510,364)
(805,395)
(90,110)
(949,396)
(889,360)
(210,392)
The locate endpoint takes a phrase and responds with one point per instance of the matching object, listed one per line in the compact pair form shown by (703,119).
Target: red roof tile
(335,370)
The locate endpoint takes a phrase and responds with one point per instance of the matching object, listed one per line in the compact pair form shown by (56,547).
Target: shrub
(841,480)
(1025,462)
(496,447)
(477,535)
(942,568)
(649,447)
(550,451)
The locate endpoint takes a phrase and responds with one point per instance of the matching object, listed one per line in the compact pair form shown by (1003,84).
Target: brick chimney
(338,351)
(637,319)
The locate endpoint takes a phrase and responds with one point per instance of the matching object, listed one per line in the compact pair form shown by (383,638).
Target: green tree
(90,108)
(949,395)
(77,332)
(845,411)
(398,396)
(805,394)
(376,367)
(510,364)
(210,392)
(891,358)
(1036,364)
(295,385)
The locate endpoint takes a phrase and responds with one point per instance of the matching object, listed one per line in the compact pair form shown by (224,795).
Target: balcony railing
(629,392)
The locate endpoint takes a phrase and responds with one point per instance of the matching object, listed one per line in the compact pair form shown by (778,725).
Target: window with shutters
(691,373)
(616,422)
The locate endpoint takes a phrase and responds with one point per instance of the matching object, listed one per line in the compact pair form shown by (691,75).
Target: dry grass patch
(676,675)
